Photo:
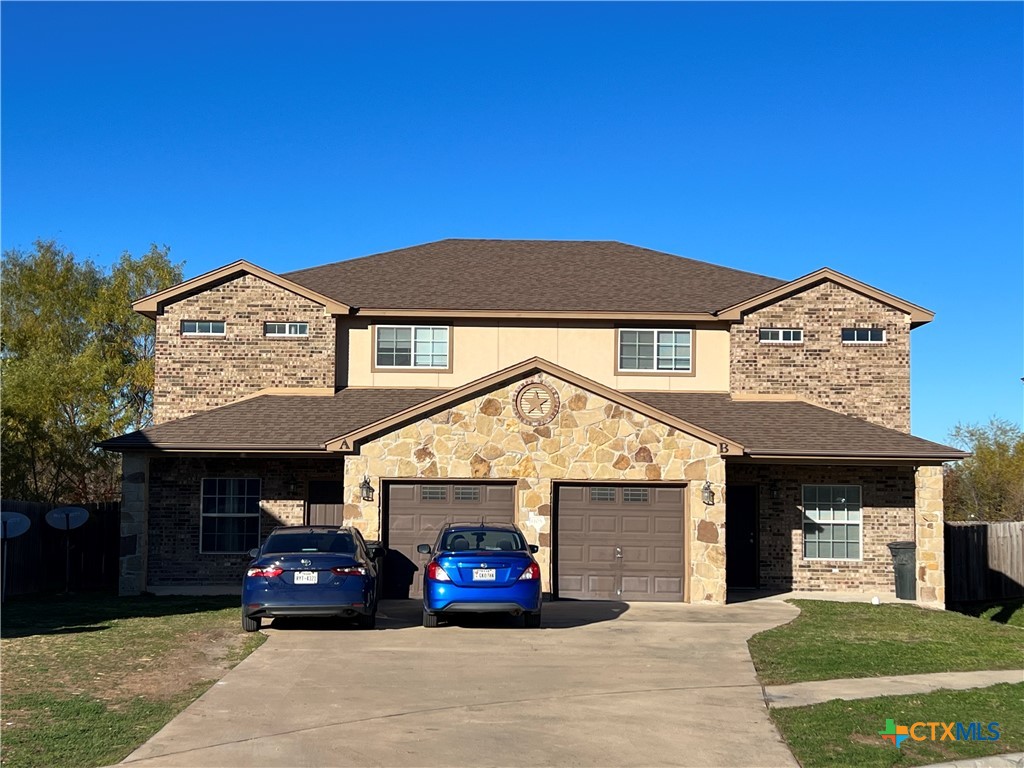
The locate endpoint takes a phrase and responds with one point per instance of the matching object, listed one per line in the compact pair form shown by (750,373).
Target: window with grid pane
(655,350)
(286,329)
(636,495)
(781,335)
(832,522)
(602,493)
(433,493)
(863,335)
(230,515)
(412,346)
(467,493)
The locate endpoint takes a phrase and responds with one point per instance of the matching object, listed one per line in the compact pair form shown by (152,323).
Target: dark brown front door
(415,514)
(326,501)
(620,542)
(741,557)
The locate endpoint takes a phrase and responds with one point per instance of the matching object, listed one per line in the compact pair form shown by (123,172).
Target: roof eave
(768,453)
(918,315)
(151,306)
(538,314)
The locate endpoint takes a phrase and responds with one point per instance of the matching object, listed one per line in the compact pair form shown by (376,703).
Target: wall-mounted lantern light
(365,489)
(291,486)
(707,493)
(773,491)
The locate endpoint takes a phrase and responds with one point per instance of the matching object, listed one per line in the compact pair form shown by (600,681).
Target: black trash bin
(904,561)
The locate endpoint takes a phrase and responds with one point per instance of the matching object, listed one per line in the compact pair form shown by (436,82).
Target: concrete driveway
(601,684)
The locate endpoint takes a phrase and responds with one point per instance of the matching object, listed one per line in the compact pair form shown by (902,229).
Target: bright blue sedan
(481,569)
(312,570)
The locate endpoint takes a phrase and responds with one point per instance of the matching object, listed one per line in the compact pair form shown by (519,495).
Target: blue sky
(881,139)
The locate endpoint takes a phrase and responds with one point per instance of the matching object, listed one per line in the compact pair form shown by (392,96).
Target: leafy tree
(76,367)
(989,484)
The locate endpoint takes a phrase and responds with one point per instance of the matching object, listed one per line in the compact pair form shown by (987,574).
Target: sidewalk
(802,694)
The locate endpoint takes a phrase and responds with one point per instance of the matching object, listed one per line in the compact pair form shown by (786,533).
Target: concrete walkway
(802,694)
(1010,760)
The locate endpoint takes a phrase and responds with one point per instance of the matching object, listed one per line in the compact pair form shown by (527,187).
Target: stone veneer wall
(898,505)
(172,549)
(870,381)
(590,439)
(197,373)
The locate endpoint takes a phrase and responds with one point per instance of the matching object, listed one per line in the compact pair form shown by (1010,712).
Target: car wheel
(429,619)
(368,621)
(531,620)
(249,624)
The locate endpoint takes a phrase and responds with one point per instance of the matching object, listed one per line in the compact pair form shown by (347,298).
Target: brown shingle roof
(793,428)
(533,276)
(275,422)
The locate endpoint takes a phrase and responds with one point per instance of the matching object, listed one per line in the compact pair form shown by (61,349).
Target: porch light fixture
(773,491)
(365,489)
(291,486)
(707,493)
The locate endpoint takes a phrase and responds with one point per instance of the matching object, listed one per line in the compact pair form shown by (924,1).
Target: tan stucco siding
(480,348)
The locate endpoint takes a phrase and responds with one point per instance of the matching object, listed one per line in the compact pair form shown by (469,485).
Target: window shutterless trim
(302,329)
(619,371)
(197,323)
(375,368)
(855,331)
(803,524)
(203,515)
(781,333)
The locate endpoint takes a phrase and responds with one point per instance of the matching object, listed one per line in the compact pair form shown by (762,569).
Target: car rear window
(311,541)
(482,541)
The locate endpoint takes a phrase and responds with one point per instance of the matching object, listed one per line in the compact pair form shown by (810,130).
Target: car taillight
(436,572)
(532,572)
(349,570)
(266,573)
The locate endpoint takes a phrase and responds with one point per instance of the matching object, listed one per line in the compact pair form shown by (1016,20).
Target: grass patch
(1010,611)
(844,733)
(831,640)
(88,678)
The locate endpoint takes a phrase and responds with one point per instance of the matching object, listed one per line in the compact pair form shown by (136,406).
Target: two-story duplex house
(663,428)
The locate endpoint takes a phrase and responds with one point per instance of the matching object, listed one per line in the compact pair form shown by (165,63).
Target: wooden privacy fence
(36,559)
(984,561)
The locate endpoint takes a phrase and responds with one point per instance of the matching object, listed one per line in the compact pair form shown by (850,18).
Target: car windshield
(482,541)
(310,541)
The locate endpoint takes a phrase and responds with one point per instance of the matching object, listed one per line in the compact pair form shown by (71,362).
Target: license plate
(483,574)
(305,577)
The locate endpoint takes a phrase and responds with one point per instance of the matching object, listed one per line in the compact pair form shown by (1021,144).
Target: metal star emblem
(535,401)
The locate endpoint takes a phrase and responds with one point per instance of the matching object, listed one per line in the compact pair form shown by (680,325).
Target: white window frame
(804,518)
(781,333)
(203,515)
(291,329)
(203,333)
(885,336)
(413,367)
(655,370)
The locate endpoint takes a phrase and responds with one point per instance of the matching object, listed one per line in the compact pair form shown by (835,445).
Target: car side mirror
(376,551)
(254,553)
(534,549)
(423,549)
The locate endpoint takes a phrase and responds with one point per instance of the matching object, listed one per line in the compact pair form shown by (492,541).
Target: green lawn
(845,733)
(830,640)
(88,678)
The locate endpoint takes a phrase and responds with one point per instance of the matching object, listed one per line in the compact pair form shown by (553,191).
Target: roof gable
(918,315)
(153,305)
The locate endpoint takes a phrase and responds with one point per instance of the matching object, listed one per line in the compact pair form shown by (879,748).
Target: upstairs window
(656,350)
(412,346)
(285,329)
(202,327)
(863,335)
(781,336)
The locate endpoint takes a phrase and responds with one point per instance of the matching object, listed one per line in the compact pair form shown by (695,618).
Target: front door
(741,556)
(326,502)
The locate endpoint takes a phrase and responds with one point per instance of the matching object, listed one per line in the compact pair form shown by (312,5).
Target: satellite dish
(67,518)
(14,524)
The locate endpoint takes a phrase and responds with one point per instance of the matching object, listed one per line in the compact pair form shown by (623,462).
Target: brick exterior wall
(888,501)
(174,558)
(197,373)
(869,381)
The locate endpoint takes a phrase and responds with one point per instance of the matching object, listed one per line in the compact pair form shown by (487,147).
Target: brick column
(134,519)
(928,531)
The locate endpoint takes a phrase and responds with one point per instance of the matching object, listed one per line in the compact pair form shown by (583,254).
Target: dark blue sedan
(312,571)
(481,569)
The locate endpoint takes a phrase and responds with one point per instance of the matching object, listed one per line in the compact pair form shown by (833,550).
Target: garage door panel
(417,511)
(644,524)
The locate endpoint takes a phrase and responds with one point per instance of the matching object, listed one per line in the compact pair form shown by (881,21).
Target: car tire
(250,624)
(531,620)
(367,621)
(429,619)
